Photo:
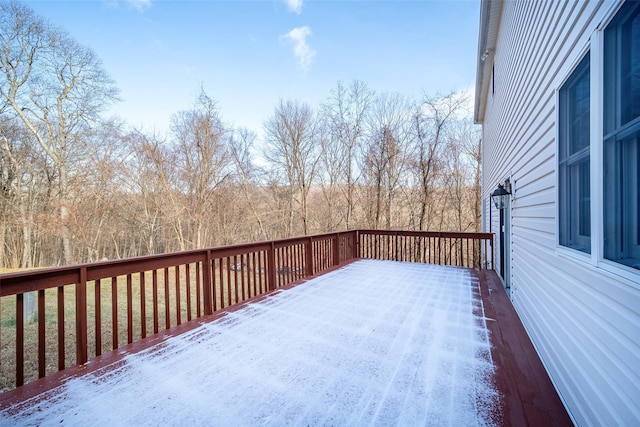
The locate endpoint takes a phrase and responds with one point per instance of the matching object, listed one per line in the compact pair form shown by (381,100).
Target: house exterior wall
(581,312)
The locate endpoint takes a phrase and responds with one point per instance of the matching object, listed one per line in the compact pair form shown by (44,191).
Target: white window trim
(619,270)
(567,73)
(596,259)
(597,145)
(597,153)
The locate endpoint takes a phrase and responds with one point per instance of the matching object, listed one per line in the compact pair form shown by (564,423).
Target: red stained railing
(86,310)
(473,250)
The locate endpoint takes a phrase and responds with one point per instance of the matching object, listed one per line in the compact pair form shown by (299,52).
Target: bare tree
(468,138)
(56,87)
(474,151)
(24,188)
(100,205)
(246,176)
(386,155)
(141,180)
(157,152)
(292,151)
(463,176)
(344,116)
(24,191)
(203,158)
(330,170)
(66,175)
(432,121)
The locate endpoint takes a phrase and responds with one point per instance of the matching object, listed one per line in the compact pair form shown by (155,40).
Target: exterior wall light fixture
(501,195)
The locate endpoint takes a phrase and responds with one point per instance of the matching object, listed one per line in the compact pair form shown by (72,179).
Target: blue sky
(250,54)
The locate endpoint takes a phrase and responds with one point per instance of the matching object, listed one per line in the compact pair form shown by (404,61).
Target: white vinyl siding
(582,315)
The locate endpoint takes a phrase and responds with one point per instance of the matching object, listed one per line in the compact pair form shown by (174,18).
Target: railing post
(207,286)
(356,244)
(493,251)
(19,339)
(271,267)
(308,257)
(394,246)
(81,318)
(129,309)
(42,357)
(336,249)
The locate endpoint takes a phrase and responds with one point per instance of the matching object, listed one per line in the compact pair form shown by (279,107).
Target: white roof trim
(490,13)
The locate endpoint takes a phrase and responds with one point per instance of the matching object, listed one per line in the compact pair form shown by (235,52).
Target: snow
(373,343)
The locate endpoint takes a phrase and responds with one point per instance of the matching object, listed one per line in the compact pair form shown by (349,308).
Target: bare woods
(76,186)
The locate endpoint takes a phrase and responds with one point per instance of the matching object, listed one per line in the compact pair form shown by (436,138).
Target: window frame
(620,150)
(574,181)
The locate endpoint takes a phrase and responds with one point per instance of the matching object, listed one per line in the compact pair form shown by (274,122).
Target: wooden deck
(527,396)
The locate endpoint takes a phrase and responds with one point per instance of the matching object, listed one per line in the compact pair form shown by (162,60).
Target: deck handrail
(461,249)
(101,306)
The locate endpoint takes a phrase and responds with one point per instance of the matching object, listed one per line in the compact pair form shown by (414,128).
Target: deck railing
(86,310)
(446,248)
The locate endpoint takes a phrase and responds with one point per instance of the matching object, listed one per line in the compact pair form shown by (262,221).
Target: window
(493,79)
(574,164)
(622,136)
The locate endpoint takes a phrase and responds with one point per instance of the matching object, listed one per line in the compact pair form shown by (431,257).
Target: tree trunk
(65,234)
(27,246)
(3,234)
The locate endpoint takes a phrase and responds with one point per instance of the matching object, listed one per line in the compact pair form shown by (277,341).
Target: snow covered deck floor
(372,343)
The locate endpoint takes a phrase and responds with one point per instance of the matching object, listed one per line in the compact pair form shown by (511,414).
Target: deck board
(529,397)
(526,394)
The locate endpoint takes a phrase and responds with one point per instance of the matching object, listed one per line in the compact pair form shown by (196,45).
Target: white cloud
(140,5)
(294,6)
(111,4)
(303,52)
